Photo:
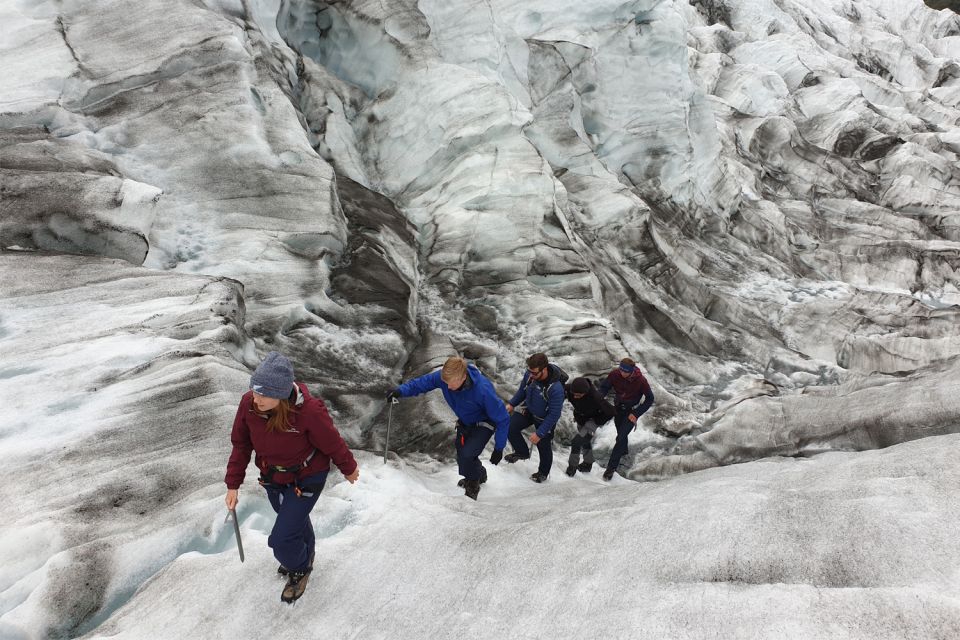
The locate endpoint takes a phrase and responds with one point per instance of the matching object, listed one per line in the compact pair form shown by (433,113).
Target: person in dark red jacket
(633,398)
(295,441)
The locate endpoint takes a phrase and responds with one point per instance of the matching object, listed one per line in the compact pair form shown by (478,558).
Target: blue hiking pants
(470,442)
(624,427)
(520,421)
(292,538)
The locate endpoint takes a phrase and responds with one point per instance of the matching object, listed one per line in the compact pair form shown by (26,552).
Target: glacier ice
(758,201)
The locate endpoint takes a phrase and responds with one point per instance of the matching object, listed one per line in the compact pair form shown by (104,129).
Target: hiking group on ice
(294,440)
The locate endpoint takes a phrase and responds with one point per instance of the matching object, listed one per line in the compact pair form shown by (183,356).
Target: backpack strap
(557,375)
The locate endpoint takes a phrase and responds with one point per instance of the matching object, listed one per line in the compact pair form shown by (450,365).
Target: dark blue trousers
(520,421)
(470,442)
(292,538)
(624,427)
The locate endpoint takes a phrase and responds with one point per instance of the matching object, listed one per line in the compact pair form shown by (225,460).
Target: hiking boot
(471,489)
(585,467)
(483,478)
(572,470)
(283,571)
(513,457)
(608,474)
(296,584)
(538,477)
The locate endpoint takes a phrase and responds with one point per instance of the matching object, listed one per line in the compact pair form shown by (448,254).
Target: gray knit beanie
(274,377)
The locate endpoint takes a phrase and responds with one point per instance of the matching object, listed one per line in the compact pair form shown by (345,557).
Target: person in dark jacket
(590,412)
(633,398)
(480,414)
(541,395)
(295,441)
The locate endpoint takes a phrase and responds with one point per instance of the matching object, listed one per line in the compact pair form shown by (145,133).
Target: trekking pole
(386,444)
(236,530)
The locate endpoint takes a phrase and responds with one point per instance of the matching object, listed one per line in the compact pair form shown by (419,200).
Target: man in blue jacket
(541,395)
(479,410)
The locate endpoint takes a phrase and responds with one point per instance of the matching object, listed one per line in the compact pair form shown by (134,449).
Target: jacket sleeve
(242,447)
(554,409)
(521,393)
(641,407)
(325,437)
(605,407)
(497,413)
(423,384)
(605,387)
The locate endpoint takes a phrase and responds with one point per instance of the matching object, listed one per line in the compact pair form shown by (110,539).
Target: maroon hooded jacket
(633,393)
(311,429)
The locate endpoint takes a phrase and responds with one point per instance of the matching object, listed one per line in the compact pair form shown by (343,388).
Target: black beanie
(580,385)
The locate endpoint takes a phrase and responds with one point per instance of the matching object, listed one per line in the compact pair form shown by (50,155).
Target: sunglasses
(534,372)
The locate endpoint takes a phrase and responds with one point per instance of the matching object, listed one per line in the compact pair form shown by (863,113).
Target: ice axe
(386,443)
(236,530)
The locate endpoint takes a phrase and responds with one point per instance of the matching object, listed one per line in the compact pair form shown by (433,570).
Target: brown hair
(279,419)
(453,369)
(537,361)
(629,362)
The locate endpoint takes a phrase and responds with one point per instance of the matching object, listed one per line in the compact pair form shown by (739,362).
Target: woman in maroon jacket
(294,440)
(634,397)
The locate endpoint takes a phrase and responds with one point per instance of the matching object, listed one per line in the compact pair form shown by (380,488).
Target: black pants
(583,441)
(520,421)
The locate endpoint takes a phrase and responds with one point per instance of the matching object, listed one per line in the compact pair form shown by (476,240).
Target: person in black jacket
(590,412)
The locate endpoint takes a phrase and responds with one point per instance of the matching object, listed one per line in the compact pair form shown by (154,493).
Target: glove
(393,396)
(496,457)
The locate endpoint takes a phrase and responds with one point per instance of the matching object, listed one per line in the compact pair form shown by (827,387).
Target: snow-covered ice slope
(118,383)
(841,546)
